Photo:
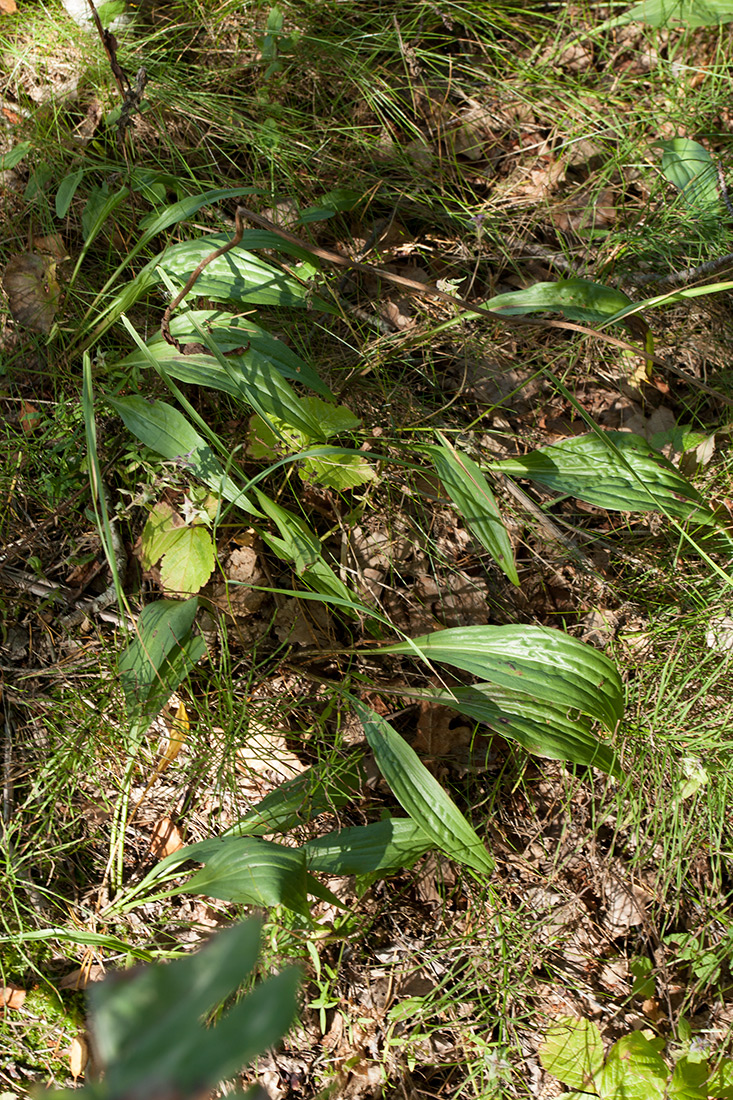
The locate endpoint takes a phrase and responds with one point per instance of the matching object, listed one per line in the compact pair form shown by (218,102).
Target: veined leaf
(689,166)
(166,431)
(614,470)
(539,726)
(664,13)
(573,1051)
(577,299)
(531,660)
(469,490)
(229,332)
(160,655)
(420,794)
(388,845)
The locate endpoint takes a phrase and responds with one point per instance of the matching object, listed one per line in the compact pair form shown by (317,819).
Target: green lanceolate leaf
(469,490)
(420,794)
(689,166)
(539,726)
(160,656)
(249,871)
(229,332)
(388,845)
(530,660)
(577,299)
(664,13)
(614,470)
(67,190)
(166,431)
(237,276)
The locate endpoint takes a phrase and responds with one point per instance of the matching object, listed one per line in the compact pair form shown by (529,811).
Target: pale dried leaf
(78,1056)
(165,838)
(82,977)
(12,996)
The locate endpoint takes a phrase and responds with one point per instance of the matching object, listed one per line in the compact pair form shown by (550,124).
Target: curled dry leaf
(78,1056)
(7,7)
(82,977)
(165,838)
(33,292)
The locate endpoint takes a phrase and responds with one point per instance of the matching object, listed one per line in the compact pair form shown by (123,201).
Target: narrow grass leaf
(166,431)
(388,845)
(470,492)
(420,794)
(614,470)
(539,726)
(534,661)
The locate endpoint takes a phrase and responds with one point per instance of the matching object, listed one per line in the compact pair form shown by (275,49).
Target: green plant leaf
(229,332)
(469,490)
(15,155)
(66,191)
(614,470)
(689,166)
(689,1080)
(720,1084)
(146,675)
(572,1051)
(634,1069)
(166,431)
(577,299)
(530,660)
(249,871)
(663,13)
(420,794)
(149,1025)
(388,845)
(540,727)
(318,790)
(188,561)
(340,470)
(237,276)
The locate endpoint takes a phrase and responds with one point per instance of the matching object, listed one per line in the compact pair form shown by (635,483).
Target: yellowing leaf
(188,562)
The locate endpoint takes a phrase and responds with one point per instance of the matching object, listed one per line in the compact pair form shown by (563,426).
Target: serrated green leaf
(158,532)
(166,431)
(689,166)
(420,794)
(614,470)
(388,845)
(577,299)
(470,492)
(66,191)
(540,727)
(229,333)
(572,1051)
(188,561)
(531,660)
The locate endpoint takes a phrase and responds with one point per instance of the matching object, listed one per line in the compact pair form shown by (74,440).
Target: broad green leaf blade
(664,13)
(15,155)
(318,790)
(165,430)
(159,220)
(615,470)
(577,299)
(573,1052)
(163,627)
(469,490)
(540,727)
(340,469)
(229,332)
(160,1001)
(689,1080)
(188,561)
(689,166)
(249,871)
(531,660)
(67,190)
(237,276)
(388,845)
(634,1069)
(420,794)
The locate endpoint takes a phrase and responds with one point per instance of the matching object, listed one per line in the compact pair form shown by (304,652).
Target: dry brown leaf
(8,7)
(78,1056)
(29,417)
(165,838)
(82,977)
(53,245)
(12,996)
(33,292)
